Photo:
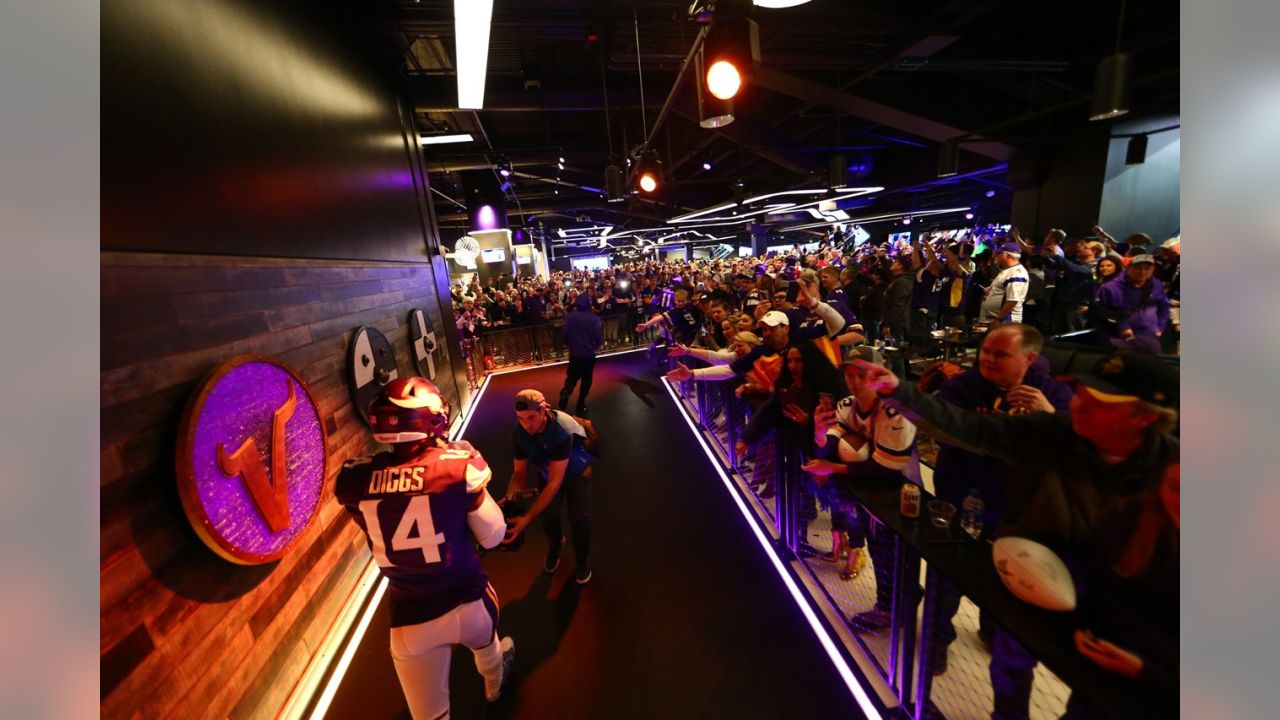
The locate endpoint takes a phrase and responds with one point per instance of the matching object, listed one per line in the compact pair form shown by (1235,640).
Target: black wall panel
(251,129)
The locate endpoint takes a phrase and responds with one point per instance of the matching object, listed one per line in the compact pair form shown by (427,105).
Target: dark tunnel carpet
(684,617)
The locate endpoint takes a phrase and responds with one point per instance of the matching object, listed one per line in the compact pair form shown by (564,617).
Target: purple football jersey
(415,518)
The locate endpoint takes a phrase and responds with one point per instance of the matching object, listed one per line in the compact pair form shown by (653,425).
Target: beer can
(909,504)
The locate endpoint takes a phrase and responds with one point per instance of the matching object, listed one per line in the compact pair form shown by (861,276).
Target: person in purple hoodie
(583,334)
(1133,311)
(1011,378)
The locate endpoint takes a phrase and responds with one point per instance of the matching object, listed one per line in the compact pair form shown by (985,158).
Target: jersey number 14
(418,514)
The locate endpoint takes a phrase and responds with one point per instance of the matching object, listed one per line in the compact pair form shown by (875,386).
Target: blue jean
(1012,672)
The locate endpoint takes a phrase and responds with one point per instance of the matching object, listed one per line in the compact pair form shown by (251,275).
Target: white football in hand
(1034,574)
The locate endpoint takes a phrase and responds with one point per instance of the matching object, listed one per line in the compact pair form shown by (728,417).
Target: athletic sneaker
(552,563)
(508,647)
(582,575)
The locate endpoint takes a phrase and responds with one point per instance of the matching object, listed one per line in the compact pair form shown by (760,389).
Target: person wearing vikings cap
(1003,302)
(1116,443)
(549,444)
(419,505)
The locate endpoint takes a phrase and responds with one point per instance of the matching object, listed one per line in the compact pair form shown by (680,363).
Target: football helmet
(407,410)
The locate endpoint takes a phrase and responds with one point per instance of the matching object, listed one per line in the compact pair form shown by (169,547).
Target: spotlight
(906,221)
(968,216)
(836,174)
(991,193)
(1111,87)
(949,158)
(723,79)
(712,111)
(706,166)
(613,184)
(504,167)
(648,172)
(732,49)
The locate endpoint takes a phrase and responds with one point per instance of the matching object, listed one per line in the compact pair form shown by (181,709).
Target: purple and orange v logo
(270,494)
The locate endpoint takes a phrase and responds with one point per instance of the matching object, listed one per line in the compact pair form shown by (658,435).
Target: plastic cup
(941,513)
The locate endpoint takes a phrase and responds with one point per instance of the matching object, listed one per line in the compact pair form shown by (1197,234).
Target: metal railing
(506,346)
(895,659)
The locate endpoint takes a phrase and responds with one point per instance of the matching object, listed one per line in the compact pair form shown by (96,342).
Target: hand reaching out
(879,379)
(822,469)
(680,373)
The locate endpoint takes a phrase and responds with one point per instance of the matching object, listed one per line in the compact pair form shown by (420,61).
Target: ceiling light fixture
(712,111)
(1111,83)
(732,49)
(836,174)
(443,139)
(471,20)
(648,172)
(949,158)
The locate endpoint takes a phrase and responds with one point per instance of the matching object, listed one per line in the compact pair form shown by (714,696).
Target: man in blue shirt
(583,335)
(549,446)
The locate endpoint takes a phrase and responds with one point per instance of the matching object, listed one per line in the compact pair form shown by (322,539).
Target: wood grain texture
(182,632)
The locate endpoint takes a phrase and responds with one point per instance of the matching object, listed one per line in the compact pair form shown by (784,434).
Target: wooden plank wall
(185,634)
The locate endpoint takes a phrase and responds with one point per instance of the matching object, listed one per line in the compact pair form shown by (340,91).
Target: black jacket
(1057,481)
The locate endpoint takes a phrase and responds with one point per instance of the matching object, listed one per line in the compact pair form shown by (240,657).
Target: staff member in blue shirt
(548,446)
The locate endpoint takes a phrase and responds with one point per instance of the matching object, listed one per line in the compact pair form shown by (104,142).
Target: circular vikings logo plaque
(251,459)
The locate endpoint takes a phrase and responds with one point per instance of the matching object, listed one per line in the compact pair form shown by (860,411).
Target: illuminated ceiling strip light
(857,192)
(690,216)
(808,191)
(471,20)
(873,218)
(586,229)
(850,193)
(340,671)
(443,139)
(824,638)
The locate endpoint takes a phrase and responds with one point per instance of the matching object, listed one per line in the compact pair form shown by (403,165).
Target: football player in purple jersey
(419,505)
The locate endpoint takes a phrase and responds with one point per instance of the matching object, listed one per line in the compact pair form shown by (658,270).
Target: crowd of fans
(1127,292)
(1090,470)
